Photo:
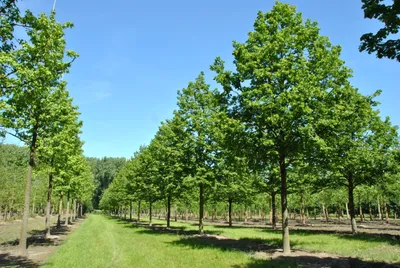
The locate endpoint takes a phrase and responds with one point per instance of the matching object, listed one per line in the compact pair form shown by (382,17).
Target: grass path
(105,242)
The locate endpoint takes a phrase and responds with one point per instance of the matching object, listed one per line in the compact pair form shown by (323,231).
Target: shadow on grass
(158,229)
(224,243)
(258,245)
(8,260)
(310,261)
(365,237)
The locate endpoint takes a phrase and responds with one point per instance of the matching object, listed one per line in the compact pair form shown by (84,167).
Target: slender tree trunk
(246,214)
(325,211)
(186,212)
(74,210)
(303,216)
(67,212)
(59,210)
(138,213)
(347,211)
(285,218)
(273,206)
(150,213)
(315,213)
(359,203)
(81,210)
(48,205)
(168,211)
(230,201)
(351,205)
(130,209)
(175,213)
(24,228)
(370,212)
(379,209)
(201,209)
(387,213)
(213,213)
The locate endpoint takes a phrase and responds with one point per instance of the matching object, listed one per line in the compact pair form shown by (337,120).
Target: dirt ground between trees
(39,248)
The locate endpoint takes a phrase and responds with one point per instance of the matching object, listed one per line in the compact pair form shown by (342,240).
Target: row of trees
(285,120)
(35,107)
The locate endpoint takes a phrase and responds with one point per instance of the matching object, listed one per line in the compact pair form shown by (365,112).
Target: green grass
(105,242)
(363,246)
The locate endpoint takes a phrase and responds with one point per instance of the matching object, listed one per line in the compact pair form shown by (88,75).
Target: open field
(109,242)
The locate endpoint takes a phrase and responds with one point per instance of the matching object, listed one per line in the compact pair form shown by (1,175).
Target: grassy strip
(362,246)
(105,242)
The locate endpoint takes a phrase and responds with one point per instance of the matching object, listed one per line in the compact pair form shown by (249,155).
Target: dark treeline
(104,170)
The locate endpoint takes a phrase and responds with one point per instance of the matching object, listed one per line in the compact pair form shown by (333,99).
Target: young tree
(28,98)
(197,103)
(286,79)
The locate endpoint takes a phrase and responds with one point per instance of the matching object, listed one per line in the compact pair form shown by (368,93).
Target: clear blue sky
(135,55)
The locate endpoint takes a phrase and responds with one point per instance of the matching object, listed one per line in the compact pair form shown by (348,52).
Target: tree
(286,79)
(360,151)
(197,103)
(380,42)
(167,149)
(54,151)
(28,101)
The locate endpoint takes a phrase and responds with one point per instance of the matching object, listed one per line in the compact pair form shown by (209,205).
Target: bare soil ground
(39,248)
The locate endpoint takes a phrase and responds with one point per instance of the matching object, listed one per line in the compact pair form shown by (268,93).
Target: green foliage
(381,42)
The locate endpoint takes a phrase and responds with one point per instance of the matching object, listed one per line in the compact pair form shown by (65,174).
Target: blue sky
(135,55)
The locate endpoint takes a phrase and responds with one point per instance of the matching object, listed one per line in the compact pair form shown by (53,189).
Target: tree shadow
(228,244)
(8,260)
(366,237)
(315,262)
(37,238)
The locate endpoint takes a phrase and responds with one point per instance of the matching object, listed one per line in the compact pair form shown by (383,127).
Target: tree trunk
(246,214)
(285,219)
(359,203)
(213,213)
(59,210)
(302,214)
(387,213)
(150,213)
(67,212)
(201,209)
(273,207)
(186,212)
(175,213)
(347,211)
(74,210)
(325,213)
(24,228)
(230,212)
(168,211)
(81,210)
(351,205)
(315,213)
(370,212)
(48,205)
(379,209)
(138,212)
(130,210)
